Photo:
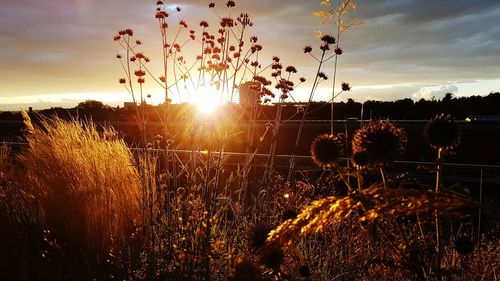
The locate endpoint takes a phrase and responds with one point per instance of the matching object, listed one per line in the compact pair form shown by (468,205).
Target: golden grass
(86,186)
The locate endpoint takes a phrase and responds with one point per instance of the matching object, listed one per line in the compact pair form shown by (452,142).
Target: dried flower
(302,79)
(230,4)
(122,81)
(291,69)
(326,150)
(159,3)
(346,87)
(211,5)
(118,56)
(381,141)
(328,39)
(138,42)
(442,132)
(322,75)
(338,51)
(140,80)
(308,49)
(117,37)
(139,73)
(204,24)
(178,9)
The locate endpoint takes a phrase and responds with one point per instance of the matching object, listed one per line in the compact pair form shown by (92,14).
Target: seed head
(381,141)
(346,87)
(328,39)
(326,150)
(442,132)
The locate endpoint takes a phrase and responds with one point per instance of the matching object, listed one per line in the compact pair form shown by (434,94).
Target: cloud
(435,92)
(66,46)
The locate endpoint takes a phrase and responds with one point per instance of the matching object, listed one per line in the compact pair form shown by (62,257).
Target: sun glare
(206,100)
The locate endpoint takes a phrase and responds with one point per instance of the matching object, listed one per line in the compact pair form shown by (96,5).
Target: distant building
(249,94)
(129,105)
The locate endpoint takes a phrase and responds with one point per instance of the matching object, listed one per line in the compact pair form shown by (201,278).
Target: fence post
(480,206)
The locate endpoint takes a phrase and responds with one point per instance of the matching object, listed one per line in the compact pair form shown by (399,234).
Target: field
(234,188)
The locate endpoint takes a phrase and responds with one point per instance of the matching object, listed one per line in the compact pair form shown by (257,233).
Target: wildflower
(276,59)
(258,236)
(328,39)
(304,271)
(381,141)
(138,42)
(122,81)
(324,48)
(129,32)
(322,75)
(178,8)
(464,246)
(245,270)
(183,23)
(254,39)
(302,79)
(211,5)
(139,73)
(117,37)
(326,150)
(272,257)
(229,22)
(140,80)
(442,132)
(132,59)
(230,4)
(164,25)
(346,87)
(244,19)
(159,3)
(291,69)
(162,79)
(118,56)
(276,65)
(204,24)
(262,80)
(307,49)
(338,51)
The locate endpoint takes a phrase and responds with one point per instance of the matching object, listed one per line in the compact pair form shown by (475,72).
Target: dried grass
(86,185)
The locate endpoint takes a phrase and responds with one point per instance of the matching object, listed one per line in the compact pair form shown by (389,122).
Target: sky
(61,52)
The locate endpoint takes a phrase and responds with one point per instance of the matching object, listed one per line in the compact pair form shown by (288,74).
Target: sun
(206,100)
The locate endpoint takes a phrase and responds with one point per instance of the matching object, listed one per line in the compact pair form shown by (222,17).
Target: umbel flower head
(380,141)
(442,132)
(326,150)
